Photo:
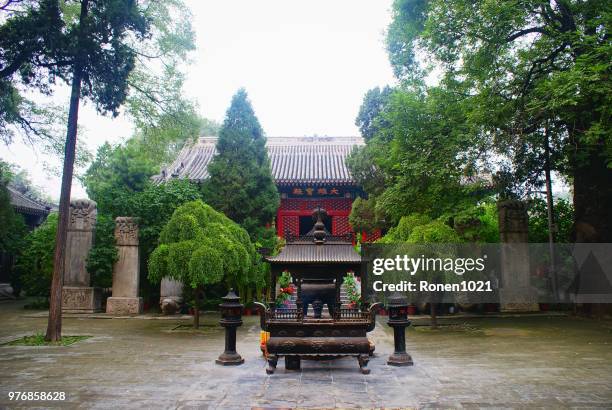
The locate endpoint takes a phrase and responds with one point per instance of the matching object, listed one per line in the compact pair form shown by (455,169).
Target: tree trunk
(551,218)
(592,196)
(434,315)
(54,325)
(196,308)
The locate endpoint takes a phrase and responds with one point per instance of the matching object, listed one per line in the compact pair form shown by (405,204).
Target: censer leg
(272,361)
(292,362)
(363,363)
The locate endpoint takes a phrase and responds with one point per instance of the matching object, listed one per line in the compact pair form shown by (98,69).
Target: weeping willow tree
(200,246)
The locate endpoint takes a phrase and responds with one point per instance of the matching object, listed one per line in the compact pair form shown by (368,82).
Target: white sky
(305,64)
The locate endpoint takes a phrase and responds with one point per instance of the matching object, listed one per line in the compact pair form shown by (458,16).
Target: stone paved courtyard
(490,362)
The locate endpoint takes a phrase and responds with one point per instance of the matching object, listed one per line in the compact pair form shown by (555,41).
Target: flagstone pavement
(544,362)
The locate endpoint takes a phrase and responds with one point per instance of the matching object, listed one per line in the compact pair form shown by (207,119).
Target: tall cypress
(240,182)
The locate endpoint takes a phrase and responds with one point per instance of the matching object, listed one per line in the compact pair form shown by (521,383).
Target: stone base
(170,305)
(230,359)
(76,299)
(124,306)
(519,307)
(518,299)
(400,359)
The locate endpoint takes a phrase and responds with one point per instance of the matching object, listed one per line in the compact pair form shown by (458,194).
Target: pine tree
(241,184)
(91,52)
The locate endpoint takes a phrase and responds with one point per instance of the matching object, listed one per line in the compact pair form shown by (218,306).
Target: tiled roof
(293,160)
(330,252)
(24,204)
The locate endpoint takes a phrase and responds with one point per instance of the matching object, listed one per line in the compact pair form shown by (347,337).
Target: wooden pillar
(365,289)
(338,302)
(273,283)
(298,301)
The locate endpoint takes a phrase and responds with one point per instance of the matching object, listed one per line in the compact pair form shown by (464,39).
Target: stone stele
(171,296)
(516,293)
(77,294)
(126,272)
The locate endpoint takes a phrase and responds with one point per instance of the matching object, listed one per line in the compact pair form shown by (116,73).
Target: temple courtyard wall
(551,362)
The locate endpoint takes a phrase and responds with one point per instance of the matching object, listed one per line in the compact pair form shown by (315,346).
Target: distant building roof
(26,205)
(293,160)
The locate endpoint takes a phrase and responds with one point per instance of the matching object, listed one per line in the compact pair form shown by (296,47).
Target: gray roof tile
(293,160)
(25,204)
(330,252)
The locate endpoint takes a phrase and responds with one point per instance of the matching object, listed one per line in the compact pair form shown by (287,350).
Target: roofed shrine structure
(309,172)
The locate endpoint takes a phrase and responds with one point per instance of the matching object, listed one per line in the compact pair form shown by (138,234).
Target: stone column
(77,294)
(171,296)
(126,272)
(516,293)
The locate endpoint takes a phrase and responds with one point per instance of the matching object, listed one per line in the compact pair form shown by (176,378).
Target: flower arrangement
(353,289)
(286,290)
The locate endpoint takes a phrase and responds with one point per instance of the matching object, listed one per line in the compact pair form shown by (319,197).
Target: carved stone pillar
(77,294)
(126,272)
(516,293)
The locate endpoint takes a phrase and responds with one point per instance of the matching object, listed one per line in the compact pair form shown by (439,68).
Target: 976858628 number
(37,395)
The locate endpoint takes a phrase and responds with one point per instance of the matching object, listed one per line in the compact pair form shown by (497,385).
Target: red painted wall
(290,210)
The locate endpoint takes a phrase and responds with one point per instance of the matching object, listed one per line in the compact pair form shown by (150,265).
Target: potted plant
(353,290)
(283,300)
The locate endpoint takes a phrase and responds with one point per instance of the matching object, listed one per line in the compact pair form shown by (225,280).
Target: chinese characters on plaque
(318,191)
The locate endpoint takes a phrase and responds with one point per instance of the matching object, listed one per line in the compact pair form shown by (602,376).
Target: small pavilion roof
(306,252)
(294,160)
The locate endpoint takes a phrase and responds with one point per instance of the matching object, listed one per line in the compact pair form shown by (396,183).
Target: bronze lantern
(231,318)
(398,320)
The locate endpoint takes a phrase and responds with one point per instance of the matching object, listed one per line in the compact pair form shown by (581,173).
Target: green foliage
(240,183)
(206,259)
(532,79)
(39,45)
(478,224)
(201,246)
(150,42)
(158,263)
(364,216)
(153,206)
(39,340)
(369,120)
(35,263)
(285,279)
(350,286)
(433,232)
(563,212)
(13,230)
(426,156)
(404,228)
(362,163)
(116,174)
(285,283)
(103,253)
(13,227)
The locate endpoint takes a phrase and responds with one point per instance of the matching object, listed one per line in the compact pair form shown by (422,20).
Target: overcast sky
(305,64)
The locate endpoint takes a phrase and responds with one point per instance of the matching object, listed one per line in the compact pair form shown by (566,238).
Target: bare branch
(7,3)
